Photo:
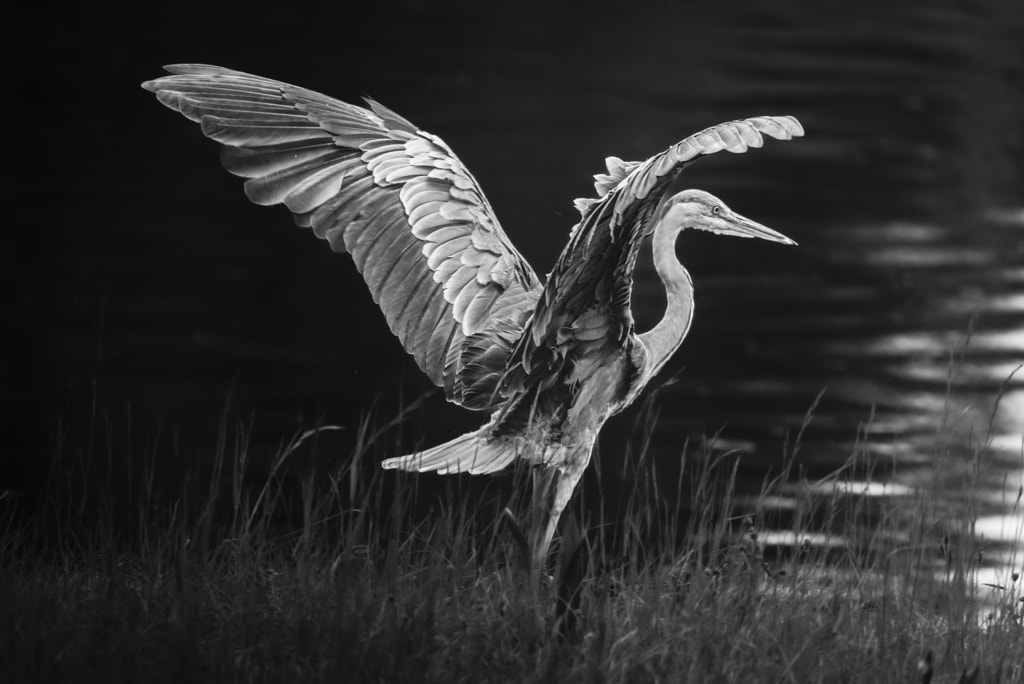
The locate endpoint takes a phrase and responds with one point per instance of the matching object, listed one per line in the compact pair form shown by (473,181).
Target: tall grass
(317,566)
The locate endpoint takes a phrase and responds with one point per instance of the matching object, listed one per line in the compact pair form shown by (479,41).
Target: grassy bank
(293,571)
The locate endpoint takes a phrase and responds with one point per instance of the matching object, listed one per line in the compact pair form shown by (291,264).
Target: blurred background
(140,284)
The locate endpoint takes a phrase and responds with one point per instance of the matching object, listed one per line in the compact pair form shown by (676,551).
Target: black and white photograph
(495,342)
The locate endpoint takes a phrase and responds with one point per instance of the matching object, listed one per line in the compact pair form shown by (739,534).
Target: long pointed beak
(741,226)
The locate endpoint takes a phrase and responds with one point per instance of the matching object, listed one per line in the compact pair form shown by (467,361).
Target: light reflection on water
(927,257)
(790,538)
(928,362)
(938,344)
(854,488)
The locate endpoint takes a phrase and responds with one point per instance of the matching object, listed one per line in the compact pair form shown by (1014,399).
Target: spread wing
(454,290)
(585,303)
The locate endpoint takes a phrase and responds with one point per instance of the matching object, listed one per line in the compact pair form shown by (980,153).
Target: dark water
(136,266)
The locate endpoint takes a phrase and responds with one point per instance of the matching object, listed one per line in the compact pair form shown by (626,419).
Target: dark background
(138,282)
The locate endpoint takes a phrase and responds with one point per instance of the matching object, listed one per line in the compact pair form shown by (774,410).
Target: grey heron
(551,361)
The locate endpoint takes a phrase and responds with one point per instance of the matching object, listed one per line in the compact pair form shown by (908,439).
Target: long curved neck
(664,339)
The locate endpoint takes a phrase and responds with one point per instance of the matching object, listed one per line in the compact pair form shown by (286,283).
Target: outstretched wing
(452,287)
(585,303)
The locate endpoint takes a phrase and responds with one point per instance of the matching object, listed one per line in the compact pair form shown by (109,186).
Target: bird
(549,361)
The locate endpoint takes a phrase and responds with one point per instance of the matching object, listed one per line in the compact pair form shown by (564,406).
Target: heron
(550,361)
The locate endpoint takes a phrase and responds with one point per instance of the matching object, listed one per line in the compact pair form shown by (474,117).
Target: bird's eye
(715,209)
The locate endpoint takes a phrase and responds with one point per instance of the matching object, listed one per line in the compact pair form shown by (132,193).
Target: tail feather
(471,453)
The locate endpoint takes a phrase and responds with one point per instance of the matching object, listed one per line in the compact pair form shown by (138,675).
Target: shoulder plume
(617,172)
(604,183)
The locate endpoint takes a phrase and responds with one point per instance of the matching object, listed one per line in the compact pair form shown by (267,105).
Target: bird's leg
(544,479)
(552,490)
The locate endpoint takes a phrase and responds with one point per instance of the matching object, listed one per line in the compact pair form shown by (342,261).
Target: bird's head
(703,211)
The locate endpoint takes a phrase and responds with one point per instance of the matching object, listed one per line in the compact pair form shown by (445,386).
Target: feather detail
(471,453)
(372,184)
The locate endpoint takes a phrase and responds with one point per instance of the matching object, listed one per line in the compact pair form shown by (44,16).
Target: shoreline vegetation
(318,566)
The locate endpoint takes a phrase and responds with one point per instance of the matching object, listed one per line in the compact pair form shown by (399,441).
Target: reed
(317,566)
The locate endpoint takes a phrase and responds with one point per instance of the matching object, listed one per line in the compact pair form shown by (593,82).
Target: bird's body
(551,362)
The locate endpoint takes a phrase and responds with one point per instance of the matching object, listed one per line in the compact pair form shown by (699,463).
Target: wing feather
(439,254)
(433,316)
(441,231)
(341,211)
(428,224)
(388,253)
(288,186)
(398,273)
(444,338)
(381,253)
(361,238)
(229,132)
(368,181)
(480,306)
(261,161)
(415,294)
(317,188)
(461,289)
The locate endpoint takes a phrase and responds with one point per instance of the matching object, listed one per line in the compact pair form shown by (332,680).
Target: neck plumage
(664,339)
